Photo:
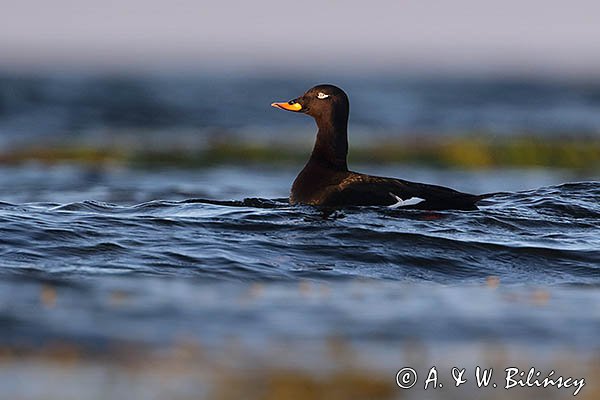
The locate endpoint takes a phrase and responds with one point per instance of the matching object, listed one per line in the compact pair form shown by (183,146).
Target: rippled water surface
(174,283)
(181,248)
(548,235)
(151,283)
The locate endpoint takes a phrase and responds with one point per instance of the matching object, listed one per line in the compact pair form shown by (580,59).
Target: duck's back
(324,187)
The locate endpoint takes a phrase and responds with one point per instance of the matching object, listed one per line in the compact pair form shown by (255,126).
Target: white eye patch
(322,95)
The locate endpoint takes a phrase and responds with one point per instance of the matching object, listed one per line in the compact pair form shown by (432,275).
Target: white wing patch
(403,203)
(322,95)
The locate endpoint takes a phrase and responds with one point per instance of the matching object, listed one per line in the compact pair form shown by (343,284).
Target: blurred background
(467,84)
(117,116)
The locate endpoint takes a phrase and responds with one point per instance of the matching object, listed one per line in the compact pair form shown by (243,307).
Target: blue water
(47,107)
(105,257)
(182,263)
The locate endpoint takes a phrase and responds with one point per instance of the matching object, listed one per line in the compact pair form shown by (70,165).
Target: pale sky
(521,36)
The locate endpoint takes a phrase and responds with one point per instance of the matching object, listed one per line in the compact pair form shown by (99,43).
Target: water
(48,107)
(174,283)
(155,237)
(549,235)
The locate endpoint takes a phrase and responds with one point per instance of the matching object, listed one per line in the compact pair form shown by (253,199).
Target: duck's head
(320,101)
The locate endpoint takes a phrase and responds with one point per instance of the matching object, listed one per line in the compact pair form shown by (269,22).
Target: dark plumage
(326,180)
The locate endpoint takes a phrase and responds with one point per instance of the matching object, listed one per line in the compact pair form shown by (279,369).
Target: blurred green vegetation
(473,151)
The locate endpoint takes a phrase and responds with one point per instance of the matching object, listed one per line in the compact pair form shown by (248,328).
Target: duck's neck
(331,147)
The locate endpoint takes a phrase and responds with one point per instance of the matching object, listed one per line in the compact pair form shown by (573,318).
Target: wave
(546,235)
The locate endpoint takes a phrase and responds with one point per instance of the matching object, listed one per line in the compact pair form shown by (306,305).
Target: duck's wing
(368,190)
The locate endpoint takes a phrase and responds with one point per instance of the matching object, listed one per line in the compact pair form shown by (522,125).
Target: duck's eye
(322,95)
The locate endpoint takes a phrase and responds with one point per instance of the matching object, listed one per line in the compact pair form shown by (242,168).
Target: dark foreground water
(546,235)
(113,262)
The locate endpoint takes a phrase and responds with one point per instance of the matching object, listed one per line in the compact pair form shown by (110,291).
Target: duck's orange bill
(287,106)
